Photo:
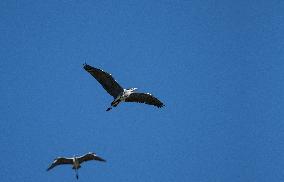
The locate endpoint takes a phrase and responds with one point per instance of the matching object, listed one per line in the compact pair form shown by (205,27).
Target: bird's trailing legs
(113,104)
(76,171)
(108,109)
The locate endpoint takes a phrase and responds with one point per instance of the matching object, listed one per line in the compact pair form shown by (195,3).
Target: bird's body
(75,161)
(122,97)
(120,94)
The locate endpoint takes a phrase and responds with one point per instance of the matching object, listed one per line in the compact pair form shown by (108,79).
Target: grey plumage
(105,79)
(144,98)
(60,161)
(81,159)
(119,94)
(89,157)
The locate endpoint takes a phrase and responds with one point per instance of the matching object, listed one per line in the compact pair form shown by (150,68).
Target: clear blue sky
(217,65)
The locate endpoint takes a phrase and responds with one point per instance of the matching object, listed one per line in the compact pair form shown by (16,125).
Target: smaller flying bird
(120,94)
(75,161)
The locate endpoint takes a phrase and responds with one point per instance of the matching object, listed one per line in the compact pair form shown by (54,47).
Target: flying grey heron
(120,94)
(75,161)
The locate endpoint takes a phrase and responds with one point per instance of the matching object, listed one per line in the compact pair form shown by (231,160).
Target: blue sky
(217,65)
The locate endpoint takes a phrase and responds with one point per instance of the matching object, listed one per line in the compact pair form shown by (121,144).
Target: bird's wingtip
(162,105)
(87,67)
(102,160)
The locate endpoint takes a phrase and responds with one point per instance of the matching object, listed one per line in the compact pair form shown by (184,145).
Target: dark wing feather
(59,161)
(144,98)
(105,79)
(90,156)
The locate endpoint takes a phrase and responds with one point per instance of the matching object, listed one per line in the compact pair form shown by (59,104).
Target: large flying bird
(75,161)
(120,94)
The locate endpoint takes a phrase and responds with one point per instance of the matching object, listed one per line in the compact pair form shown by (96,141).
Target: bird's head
(133,89)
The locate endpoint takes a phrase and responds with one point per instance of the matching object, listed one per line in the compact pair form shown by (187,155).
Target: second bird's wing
(60,161)
(90,156)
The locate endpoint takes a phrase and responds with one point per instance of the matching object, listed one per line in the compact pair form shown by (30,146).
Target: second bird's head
(133,89)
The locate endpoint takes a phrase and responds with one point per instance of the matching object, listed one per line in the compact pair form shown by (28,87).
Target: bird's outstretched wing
(144,98)
(90,156)
(59,161)
(105,79)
